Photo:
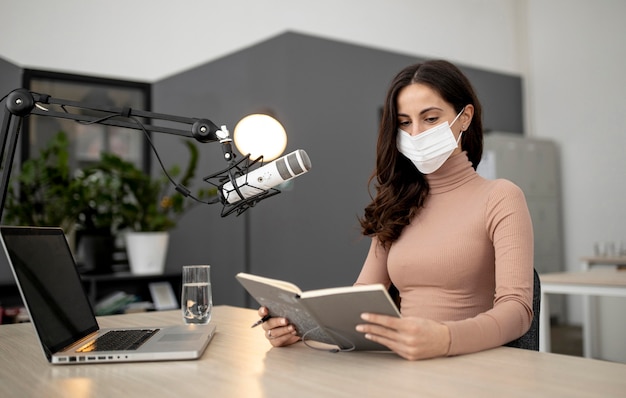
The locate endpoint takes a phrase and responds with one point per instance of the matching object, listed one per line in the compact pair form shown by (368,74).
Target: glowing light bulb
(259,134)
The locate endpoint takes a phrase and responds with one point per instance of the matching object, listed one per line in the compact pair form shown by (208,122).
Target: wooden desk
(599,282)
(588,262)
(239,362)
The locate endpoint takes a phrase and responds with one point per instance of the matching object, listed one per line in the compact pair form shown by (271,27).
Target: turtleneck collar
(456,171)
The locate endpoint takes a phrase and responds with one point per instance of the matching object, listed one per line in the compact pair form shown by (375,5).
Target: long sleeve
(375,267)
(510,229)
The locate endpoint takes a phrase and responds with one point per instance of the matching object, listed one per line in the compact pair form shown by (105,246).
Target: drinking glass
(196,300)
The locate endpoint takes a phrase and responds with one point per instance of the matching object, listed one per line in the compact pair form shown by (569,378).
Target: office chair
(530,340)
(395,295)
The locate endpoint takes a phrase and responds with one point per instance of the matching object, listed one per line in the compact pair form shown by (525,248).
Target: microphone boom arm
(21,102)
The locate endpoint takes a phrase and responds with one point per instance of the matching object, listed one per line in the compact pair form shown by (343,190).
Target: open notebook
(59,308)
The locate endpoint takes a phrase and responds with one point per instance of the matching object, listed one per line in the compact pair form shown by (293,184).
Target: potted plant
(115,196)
(45,193)
(151,207)
(97,197)
(40,195)
(101,201)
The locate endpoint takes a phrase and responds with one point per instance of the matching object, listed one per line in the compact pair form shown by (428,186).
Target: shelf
(99,286)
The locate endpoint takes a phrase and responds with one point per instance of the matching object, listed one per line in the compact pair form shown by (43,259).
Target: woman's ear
(466,117)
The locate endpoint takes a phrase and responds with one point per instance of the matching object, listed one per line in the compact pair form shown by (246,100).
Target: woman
(458,247)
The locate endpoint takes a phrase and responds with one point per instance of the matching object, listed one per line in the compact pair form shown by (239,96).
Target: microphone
(267,177)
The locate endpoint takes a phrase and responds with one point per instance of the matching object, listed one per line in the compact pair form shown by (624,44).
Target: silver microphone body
(266,177)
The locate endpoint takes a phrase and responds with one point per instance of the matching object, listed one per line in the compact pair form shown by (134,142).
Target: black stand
(21,103)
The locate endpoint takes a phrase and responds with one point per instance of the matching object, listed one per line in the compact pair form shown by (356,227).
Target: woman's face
(420,108)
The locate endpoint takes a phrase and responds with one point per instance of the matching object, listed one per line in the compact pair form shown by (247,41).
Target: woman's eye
(404,123)
(431,119)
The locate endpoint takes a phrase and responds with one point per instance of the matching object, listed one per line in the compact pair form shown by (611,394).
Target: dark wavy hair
(400,188)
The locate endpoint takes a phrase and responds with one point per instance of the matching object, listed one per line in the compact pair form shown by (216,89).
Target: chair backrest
(530,340)
(395,295)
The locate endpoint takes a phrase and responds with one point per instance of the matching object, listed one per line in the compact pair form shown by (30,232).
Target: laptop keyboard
(119,340)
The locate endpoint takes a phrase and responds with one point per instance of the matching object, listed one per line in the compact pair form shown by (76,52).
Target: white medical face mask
(430,149)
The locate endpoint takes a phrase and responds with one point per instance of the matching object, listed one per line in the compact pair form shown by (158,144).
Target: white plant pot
(146,252)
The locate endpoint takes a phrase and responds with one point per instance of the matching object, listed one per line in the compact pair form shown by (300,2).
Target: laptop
(60,311)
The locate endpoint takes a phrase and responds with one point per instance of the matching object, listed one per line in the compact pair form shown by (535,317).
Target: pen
(260,321)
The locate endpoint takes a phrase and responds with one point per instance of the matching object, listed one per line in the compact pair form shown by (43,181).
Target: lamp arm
(21,103)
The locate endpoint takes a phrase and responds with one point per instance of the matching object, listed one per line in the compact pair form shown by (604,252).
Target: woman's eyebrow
(432,108)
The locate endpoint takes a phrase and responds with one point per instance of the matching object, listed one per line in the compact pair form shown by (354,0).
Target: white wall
(147,40)
(572,54)
(576,96)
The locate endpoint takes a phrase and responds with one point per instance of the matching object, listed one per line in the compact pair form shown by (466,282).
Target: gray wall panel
(10,77)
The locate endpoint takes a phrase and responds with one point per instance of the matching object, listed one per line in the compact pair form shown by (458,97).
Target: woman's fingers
(278,330)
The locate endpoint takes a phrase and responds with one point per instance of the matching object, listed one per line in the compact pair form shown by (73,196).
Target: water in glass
(196,300)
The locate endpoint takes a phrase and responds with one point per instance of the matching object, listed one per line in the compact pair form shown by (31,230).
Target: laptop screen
(50,285)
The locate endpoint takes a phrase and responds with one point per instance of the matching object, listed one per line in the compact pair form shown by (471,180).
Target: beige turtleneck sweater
(466,260)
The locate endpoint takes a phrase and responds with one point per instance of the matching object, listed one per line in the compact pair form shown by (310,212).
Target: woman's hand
(278,331)
(411,338)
